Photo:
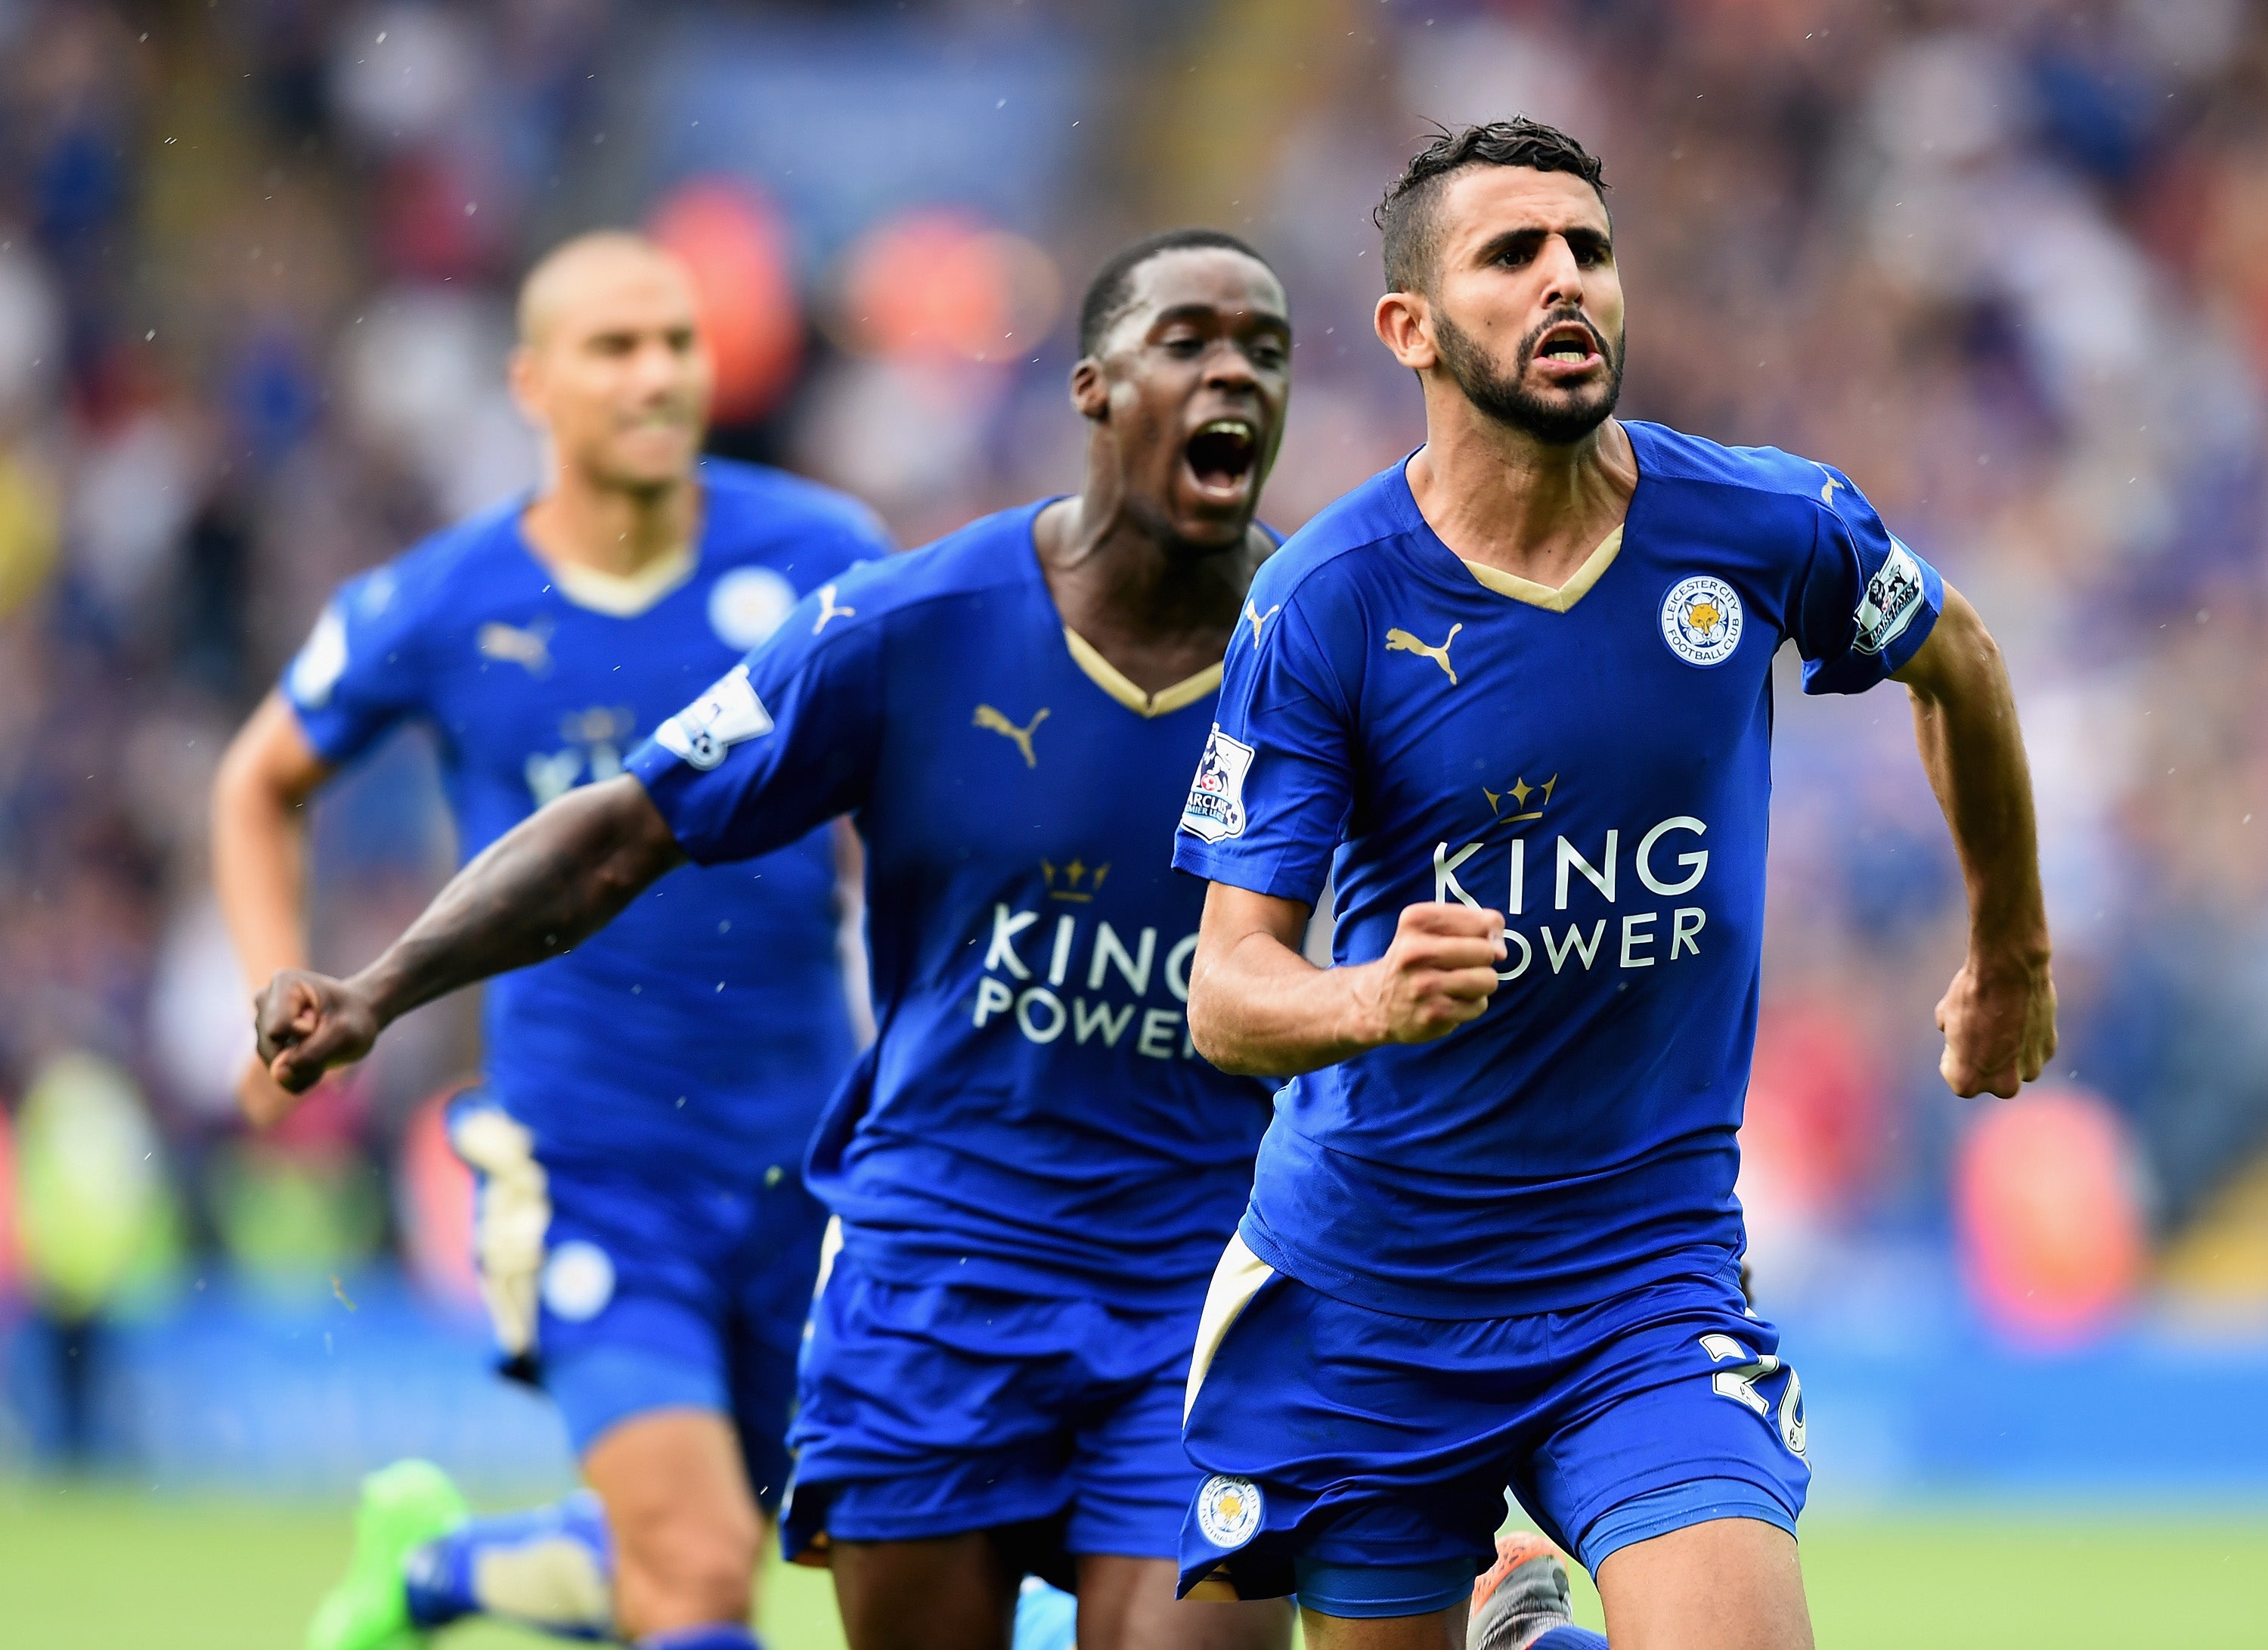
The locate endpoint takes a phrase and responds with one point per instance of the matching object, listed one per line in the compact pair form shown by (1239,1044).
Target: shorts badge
(578,1280)
(1701,620)
(1228,1510)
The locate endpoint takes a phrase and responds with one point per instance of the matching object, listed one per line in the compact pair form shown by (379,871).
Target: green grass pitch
(85,1568)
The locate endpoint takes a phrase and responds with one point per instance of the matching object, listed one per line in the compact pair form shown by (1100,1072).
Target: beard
(1561,420)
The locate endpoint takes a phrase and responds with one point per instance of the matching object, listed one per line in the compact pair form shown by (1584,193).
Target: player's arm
(1257,1007)
(554,880)
(1999,1014)
(259,855)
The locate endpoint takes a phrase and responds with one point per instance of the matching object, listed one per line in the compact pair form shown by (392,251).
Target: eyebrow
(1577,235)
(1271,318)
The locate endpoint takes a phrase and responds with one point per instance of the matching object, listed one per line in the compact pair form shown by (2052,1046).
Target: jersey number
(1739,1383)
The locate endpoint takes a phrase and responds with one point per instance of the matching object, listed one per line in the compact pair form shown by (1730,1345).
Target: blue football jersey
(1032,1116)
(1594,762)
(704,1029)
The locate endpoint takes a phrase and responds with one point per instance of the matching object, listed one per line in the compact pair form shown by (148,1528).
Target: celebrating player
(646,1243)
(1032,1169)
(1517,690)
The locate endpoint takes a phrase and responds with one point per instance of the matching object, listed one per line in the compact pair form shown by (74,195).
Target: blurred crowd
(2004,263)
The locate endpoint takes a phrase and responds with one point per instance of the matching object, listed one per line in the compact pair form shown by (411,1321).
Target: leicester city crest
(1228,1510)
(1701,620)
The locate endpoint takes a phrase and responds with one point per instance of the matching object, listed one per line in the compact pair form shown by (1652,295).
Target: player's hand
(1998,1018)
(309,1023)
(1438,972)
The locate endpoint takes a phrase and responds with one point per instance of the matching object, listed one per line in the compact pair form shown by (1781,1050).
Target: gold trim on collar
(623,595)
(1120,687)
(1543,596)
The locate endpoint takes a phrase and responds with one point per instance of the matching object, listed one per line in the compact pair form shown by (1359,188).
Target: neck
(582,523)
(1159,610)
(1499,496)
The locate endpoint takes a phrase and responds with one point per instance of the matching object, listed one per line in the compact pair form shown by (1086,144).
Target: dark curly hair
(1406,215)
(1112,290)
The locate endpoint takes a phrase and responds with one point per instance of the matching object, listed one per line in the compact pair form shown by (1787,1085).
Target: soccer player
(1032,1169)
(1516,691)
(646,1242)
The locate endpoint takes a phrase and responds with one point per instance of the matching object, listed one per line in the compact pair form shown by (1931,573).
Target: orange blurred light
(938,285)
(737,249)
(2050,1229)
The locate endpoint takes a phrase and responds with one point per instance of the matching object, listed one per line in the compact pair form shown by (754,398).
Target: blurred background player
(646,1241)
(1031,1160)
(1518,697)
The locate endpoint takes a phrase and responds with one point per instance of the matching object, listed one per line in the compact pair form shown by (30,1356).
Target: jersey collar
(1121,687)
(1526,591)
(623,595)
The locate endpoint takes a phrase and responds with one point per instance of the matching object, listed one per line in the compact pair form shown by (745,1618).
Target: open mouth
(1568,344)
(1221,455)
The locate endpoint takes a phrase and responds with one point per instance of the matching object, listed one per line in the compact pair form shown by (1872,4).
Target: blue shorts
(938,1410)
(1342,1444)
(623,1289)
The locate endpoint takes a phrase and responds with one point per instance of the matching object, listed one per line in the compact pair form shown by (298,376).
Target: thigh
(1671,1407)
(1128,1604)
(686,1533)
(945,1593)
(1730,1584)
(1438,1630)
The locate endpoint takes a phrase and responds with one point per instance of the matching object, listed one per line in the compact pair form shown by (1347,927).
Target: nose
(1563,276)
(1227,368)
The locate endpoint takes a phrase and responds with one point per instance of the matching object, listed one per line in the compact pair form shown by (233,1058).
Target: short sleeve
(1274,786)
(782,744)
(359,672)
(1867,602)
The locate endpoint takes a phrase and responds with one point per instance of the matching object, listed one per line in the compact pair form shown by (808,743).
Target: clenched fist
(1438,974)
(308,1023)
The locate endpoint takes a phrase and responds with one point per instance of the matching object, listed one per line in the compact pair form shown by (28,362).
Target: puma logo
(828,610)
(991,720)
(509,644)
(1403,642)
(1827,493)
(1260,619)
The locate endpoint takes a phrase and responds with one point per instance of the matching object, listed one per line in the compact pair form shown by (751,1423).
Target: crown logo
(1065,881)
(1517,793)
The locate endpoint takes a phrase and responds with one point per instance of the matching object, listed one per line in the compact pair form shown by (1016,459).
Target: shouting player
(1033,1168)
(646,1242)
(1517,690)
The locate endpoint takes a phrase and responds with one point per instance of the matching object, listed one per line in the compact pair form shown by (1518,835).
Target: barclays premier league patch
(1701,620)
(321,663)
(720,719)
(1215,809)
(1228,1510)
(1894,595)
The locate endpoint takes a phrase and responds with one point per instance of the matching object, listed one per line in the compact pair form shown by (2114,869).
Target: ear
(1090,394)
(1404,324)
(521,375)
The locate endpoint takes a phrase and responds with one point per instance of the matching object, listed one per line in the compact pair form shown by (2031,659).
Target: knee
(682,1569)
